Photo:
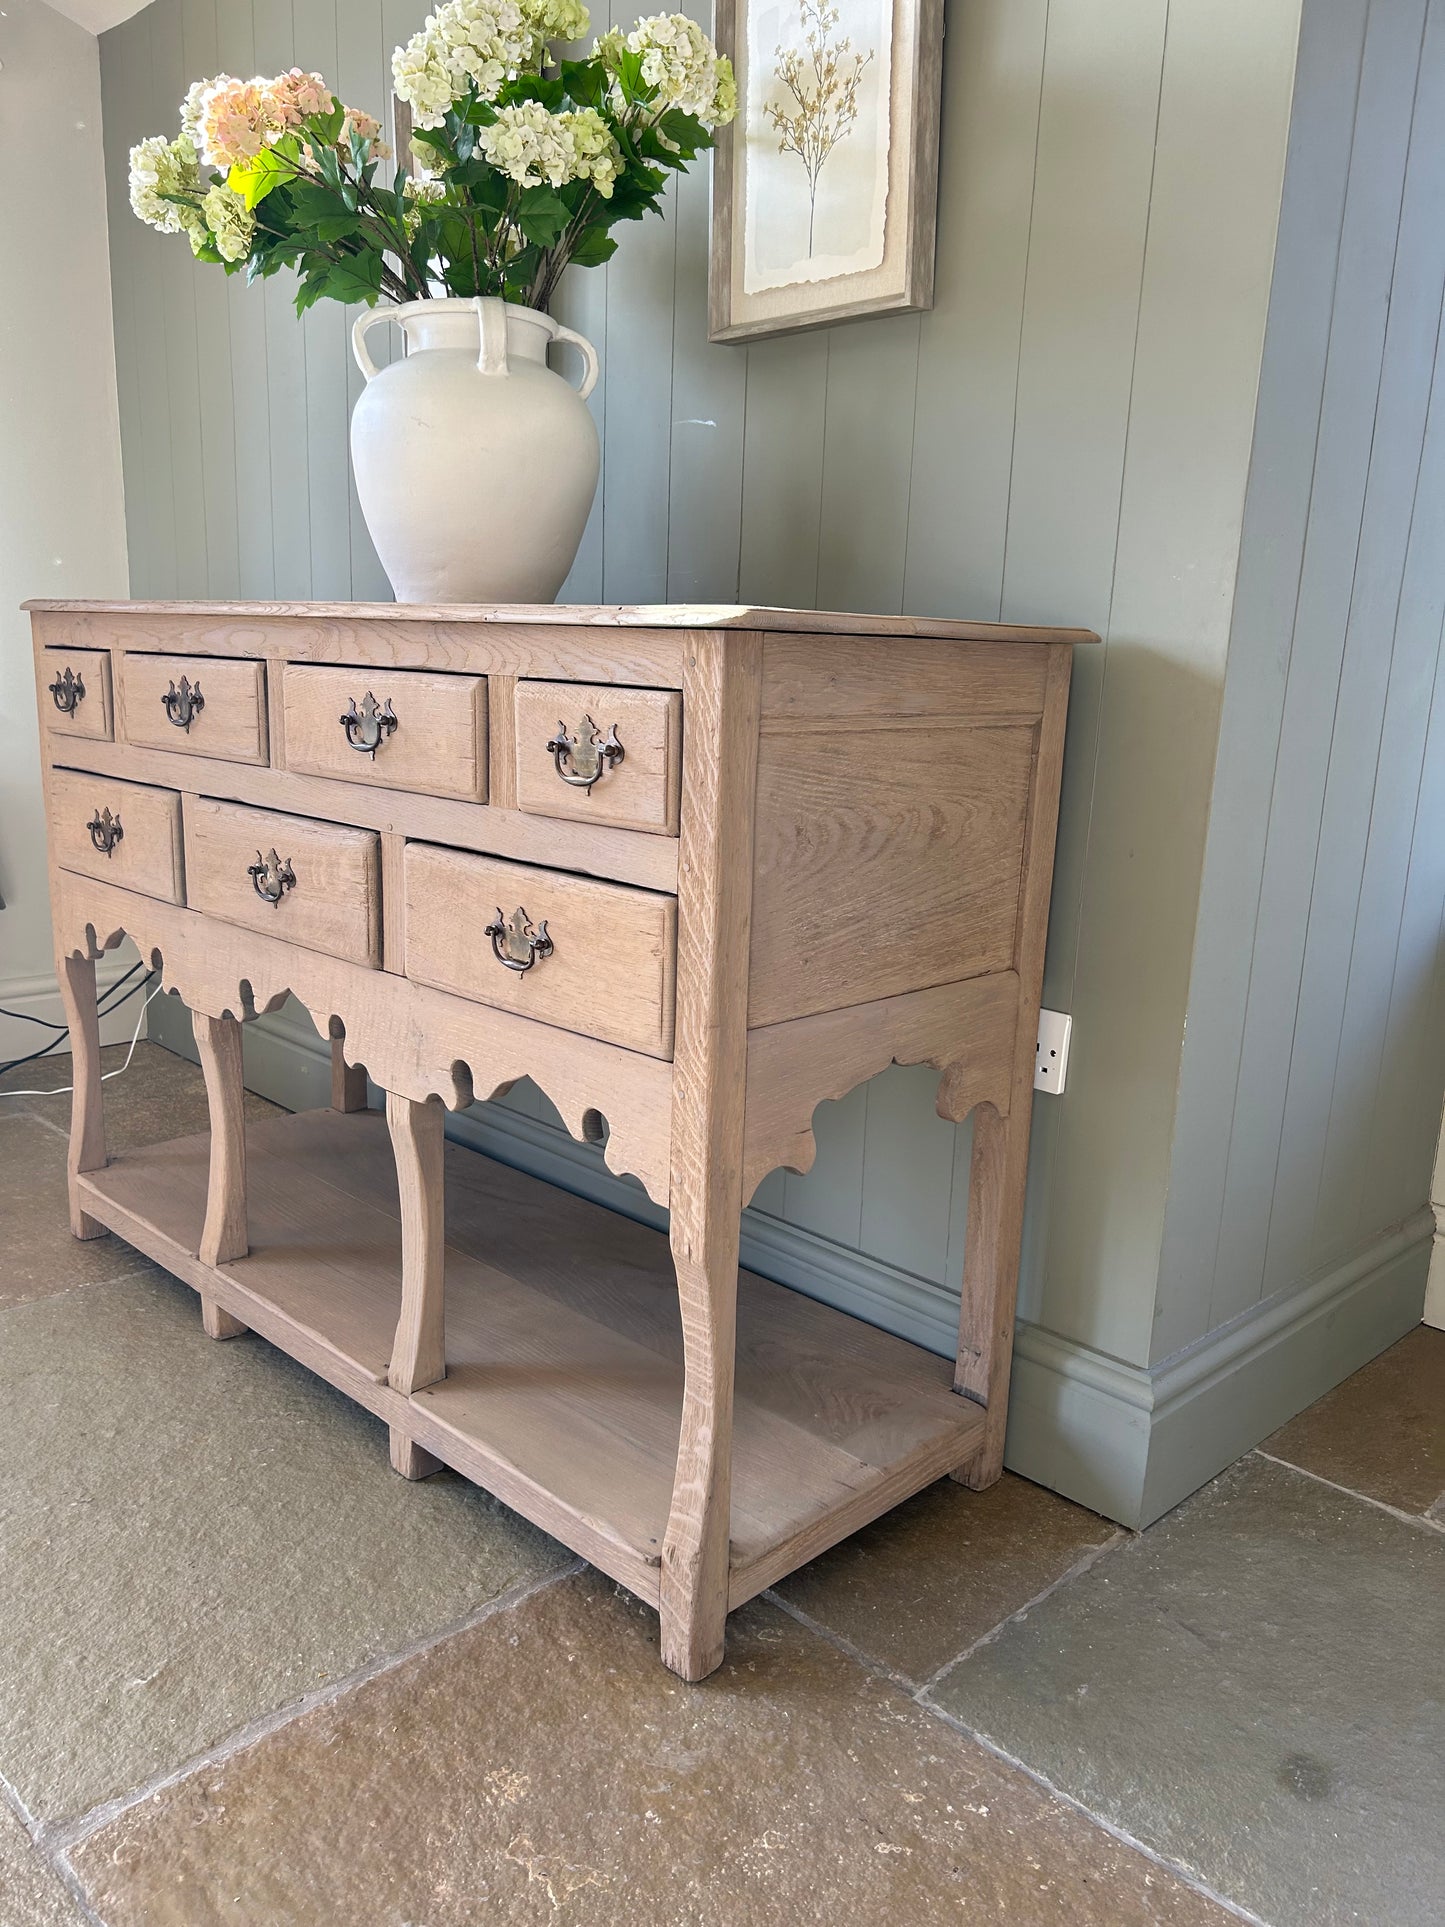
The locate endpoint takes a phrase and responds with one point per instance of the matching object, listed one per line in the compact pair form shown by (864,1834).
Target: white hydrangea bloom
(465,42)
(683,65)
(418,195)
(231,223)
(597,157)
(530,145)
(193,103)
(159,168)
(558,19)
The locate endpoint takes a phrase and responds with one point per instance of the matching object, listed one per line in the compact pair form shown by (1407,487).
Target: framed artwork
(825,187)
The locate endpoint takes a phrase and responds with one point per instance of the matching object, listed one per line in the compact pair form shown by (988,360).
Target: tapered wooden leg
(348,1081)
(76,978)
(990,1278)
(418,1354)
(408,1458)
(223,1235)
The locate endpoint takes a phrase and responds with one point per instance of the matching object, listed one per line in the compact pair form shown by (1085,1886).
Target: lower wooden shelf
(564,1378)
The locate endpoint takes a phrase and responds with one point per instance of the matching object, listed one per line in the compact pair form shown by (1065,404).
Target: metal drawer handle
(367,727)
(590,752)
(515,944)
(270,877)
(183,705)
(68,691)
(105,831)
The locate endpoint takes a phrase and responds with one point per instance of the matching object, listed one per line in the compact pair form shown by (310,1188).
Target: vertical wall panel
(1276,513)
(783,437)
(1351,795)
(1352,380)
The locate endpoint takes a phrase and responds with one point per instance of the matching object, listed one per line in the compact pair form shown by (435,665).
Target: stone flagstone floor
(248,1675)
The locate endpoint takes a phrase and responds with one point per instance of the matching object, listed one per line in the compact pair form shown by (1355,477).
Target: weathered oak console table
(694,870)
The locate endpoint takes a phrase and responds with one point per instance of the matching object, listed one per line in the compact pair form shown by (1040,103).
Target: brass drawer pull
(515,944)
(183,705)
(68,691)
(590,753)
(271,877)
(105,831)
(367,728)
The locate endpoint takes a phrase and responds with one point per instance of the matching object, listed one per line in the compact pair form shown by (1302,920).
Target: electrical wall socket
(1051,1056)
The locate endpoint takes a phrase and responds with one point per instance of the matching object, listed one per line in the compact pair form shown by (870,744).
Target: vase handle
(492,326)
(592,367)
(368,318)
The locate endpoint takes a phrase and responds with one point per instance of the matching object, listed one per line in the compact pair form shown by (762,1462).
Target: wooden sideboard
(693,870)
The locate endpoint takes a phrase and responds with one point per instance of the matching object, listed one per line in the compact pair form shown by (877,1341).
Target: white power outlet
(1051,1057)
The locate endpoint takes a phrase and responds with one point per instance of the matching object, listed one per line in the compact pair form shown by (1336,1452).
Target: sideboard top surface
(660,615)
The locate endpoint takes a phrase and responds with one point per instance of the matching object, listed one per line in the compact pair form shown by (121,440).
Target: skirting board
(1125,1440)
(38,997)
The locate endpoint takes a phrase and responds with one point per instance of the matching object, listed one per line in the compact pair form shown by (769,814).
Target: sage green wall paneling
(1276,513)
(968,345)
(1197,343)
(783,435)
(121,68)
(1347,816)
(1347,422)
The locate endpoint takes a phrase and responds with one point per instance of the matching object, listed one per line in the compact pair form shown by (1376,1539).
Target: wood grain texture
(611,970)
(418,1356)
(439,745)
(93,714)
(348,1081)
(232,725)
(502,744)
(413,1040)
(649,861)
(564,1391)
(315,624)
(721,698)
(967,1030)
(335,904)
(640,792)
(858,822)
(147,856)
(75,977)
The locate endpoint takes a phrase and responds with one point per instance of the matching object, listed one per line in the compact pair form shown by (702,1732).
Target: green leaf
(328,126)
(541,215)
(259,177)
(357,278)
(551,93)
(593,249)
(585,81)
(334,227)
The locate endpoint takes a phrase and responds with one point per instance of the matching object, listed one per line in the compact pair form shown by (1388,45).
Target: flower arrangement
(521,160)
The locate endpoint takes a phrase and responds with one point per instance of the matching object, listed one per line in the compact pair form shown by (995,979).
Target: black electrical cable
(103,1009)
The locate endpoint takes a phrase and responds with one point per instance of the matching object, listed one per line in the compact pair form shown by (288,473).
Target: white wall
(62,512)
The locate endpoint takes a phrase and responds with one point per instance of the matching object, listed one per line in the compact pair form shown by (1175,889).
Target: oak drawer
(324,877)
(568,739)
(426,732)
(613,953)
(74,693)
(228,721)
(125,833)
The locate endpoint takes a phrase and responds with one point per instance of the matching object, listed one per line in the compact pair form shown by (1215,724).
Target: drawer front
(201,705)
(613,954)
(314,884)
(74,692)
(403,729)
(587,777)
(125,833)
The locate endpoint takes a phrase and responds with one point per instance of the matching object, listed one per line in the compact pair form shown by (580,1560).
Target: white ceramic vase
(475,463)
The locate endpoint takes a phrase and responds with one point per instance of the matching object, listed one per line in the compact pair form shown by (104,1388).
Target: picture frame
(825,187)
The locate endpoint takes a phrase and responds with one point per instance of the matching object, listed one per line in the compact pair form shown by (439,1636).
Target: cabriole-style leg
(76,978)
(223,1236)
(696,1552)
(418,1355)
